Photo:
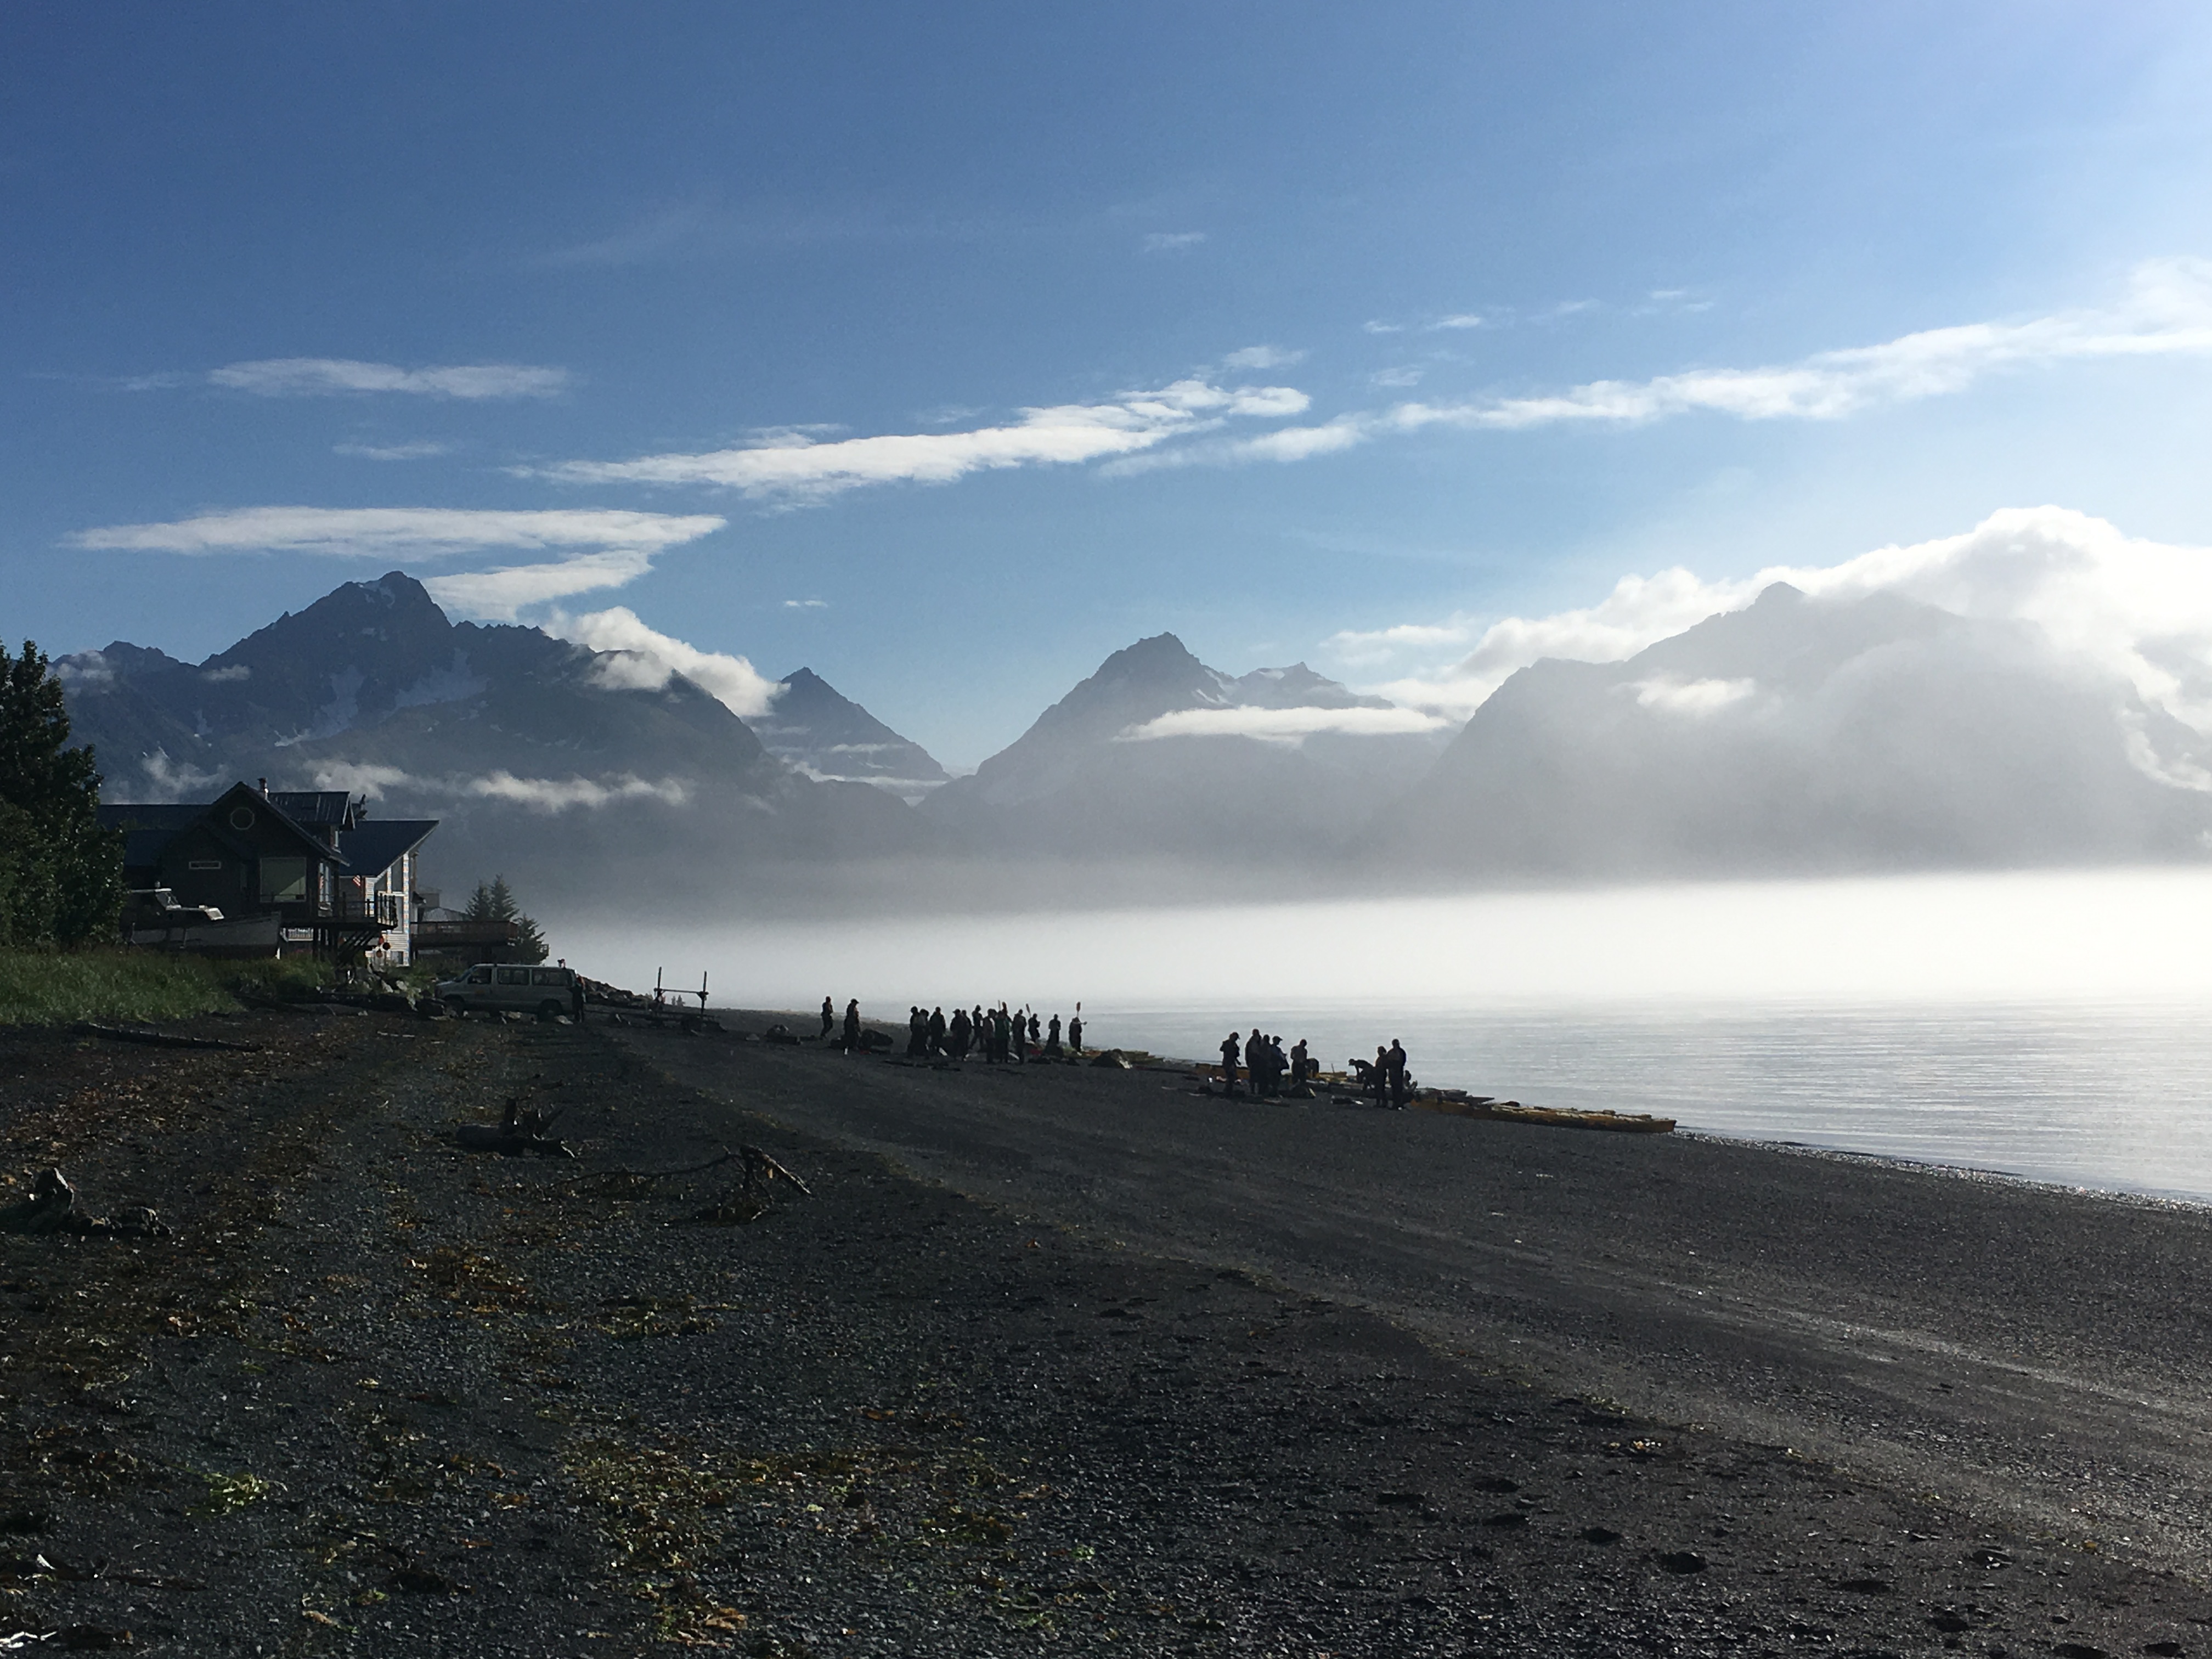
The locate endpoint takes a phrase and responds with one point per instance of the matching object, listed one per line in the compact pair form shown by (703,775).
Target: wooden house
(285,870)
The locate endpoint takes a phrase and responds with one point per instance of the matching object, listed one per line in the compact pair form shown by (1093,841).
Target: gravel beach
(1046,1359)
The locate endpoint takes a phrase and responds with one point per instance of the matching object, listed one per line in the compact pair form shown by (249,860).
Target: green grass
(46,987)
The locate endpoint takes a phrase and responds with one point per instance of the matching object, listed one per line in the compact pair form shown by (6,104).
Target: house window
(283,881)
(203,864)
(241,818)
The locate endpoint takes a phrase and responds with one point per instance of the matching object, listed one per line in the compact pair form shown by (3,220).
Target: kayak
(1512,1111)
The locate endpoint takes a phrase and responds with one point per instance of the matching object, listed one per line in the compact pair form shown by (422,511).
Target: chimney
(264,788)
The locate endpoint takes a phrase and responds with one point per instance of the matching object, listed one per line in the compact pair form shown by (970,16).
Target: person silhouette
(1075,1036)
(828,1017)
(1229,1051)
(853,1026)
(1398,1080)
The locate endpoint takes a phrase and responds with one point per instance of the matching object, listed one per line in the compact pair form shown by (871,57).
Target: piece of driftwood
(162,1039)
(51,1208)
(522,1129)
(759,1165)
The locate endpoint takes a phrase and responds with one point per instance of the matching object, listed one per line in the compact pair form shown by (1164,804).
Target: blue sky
(1346,319)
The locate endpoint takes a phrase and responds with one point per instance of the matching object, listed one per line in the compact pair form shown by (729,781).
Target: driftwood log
(51,1208)
(522,1129)
(162,1039)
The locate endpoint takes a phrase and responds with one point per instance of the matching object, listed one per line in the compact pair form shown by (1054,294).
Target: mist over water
(2052,1025)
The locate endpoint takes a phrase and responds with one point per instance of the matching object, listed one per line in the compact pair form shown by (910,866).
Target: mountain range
(1794,736)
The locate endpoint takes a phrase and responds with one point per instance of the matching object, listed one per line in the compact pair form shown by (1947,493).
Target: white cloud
(409,452)
(1290,443)
(1693,698)
(1376,325)
(549,795)
(367,780)
(382,532)
(643,659)
(236,672)
(502,595)
(806,604)
(1173,241)
(307,377)
(797,468)
(1640,610)
(2168,312)
(560,794)
(168,780)
(1281,725)
(2136,609)
(1379,645)
(1262,356)
(1402,375)
(1464,319)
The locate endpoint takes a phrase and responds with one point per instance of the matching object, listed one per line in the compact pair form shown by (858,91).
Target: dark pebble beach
(1042,1359)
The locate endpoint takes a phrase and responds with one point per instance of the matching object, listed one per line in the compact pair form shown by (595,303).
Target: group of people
(1261,1060)
(1385,1077)
(999,1033)
(1262,1057)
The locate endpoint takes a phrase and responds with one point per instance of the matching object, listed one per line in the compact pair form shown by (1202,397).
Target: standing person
(1397,1058)
(1052,1039)
(917,1033)
(829,1019)
(1229,1049)
(1036,1035)
(853,1026)
(958,1034)
(1075,1033)
(1379,1078)
(1002,1034)
(1255,1060)
(937,1030)
(1300,1064)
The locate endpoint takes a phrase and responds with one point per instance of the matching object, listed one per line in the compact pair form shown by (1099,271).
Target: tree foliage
(61,874)
(494,901)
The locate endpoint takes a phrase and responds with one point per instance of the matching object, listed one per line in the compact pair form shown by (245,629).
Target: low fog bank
(2104,935)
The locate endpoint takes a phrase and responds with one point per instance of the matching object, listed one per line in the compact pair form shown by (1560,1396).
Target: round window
(241,818)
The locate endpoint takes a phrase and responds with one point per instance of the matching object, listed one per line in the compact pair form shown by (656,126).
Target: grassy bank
(42,988)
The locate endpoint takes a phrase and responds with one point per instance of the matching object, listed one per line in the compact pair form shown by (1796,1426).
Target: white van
(512,989)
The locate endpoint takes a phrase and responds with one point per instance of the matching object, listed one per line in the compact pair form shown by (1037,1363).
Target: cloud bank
(547,795)
(1281,725)
(323,377)
(2138,610)
(795,466)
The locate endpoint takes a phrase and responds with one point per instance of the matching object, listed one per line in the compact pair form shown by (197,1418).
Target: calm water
(2109,1097)
(2056,1025)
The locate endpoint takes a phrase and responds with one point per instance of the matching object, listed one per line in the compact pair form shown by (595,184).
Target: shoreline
(749,1021)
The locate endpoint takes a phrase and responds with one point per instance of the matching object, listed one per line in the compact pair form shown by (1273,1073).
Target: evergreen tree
(494,901)
(61,875)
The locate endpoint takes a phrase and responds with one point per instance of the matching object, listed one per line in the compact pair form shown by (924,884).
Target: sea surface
(2109,1097)
(2055,1025)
